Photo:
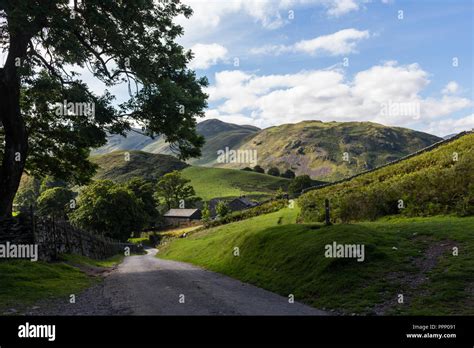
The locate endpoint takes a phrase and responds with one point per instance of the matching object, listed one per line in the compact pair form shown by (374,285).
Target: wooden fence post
(327,209)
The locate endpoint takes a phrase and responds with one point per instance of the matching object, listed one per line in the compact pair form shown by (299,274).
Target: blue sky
(341,60)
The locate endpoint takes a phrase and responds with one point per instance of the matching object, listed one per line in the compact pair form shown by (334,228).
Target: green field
(218,182)
(405,256)
(23,282)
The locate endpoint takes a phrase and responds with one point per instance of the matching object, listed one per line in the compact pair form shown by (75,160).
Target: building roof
(245,201)
(181,212)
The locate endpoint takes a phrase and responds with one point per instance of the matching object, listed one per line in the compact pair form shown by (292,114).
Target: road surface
(146,285)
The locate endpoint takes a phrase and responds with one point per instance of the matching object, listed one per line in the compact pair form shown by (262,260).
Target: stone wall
(59,237)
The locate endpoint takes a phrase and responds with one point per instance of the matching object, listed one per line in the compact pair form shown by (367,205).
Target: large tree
(48,116)
(172,190)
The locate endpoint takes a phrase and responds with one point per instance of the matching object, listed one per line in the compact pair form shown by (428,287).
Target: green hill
(317,148)
(208,182)
(439,181)
(115,166)
(412,257)
(218,182)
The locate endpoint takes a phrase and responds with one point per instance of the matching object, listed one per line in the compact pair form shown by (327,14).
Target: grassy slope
(284,257)
(113,166)
(430,177)
(218,182)
(24,282)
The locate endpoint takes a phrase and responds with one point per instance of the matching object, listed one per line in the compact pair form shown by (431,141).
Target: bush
(109,208)
(222,209)
(56,202)
(289,174)
(274,171)
(258,169)
(299,183)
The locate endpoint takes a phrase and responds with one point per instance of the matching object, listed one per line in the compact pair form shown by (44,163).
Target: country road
(146,285)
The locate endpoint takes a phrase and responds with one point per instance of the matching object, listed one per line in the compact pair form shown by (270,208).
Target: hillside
(438,181)
(316,148)
(207,182)
(288,258)
(218,135)
(114,166)
(219,183)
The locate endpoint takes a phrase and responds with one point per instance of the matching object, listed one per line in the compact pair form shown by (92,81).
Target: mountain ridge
(311,147)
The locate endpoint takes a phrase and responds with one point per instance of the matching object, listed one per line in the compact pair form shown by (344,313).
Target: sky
(394,62)
(399,63)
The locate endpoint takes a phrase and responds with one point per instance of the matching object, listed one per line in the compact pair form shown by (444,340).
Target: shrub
(289,174)
(258,169)
(273,171)
(299,183)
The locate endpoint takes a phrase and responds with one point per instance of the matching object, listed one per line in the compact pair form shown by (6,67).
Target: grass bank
(408,256)
(23,283)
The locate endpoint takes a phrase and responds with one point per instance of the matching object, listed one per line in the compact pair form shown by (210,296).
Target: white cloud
(449,126)
(329,95)
(451,88)
(207,55)
(341,42)
(338,43)
(341,7)
(271,14)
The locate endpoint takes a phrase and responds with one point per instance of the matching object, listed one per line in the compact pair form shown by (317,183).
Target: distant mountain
(332,150)
(450,136)
(310,147)
(218,135)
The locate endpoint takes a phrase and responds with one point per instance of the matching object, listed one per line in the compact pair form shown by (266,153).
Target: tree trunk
(16,139)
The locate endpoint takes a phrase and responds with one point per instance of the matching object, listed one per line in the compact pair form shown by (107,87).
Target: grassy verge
(218,182)
(23,282)
(405,256)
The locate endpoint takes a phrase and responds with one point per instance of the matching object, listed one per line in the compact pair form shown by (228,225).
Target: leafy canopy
(131,42)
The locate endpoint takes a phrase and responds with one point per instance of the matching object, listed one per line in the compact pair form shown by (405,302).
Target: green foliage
(222,209)
(258,169)
(50,182)
(428,184)
(289,174)
(280,194)
(205,213)
(299,183)
(56,202)
(144,191)
(109,208)
(274,171)
(172,189)
(165,99)
(247,169)
(27,193)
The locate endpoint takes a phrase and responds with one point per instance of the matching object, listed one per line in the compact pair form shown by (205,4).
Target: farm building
(241,203)
(176,217)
